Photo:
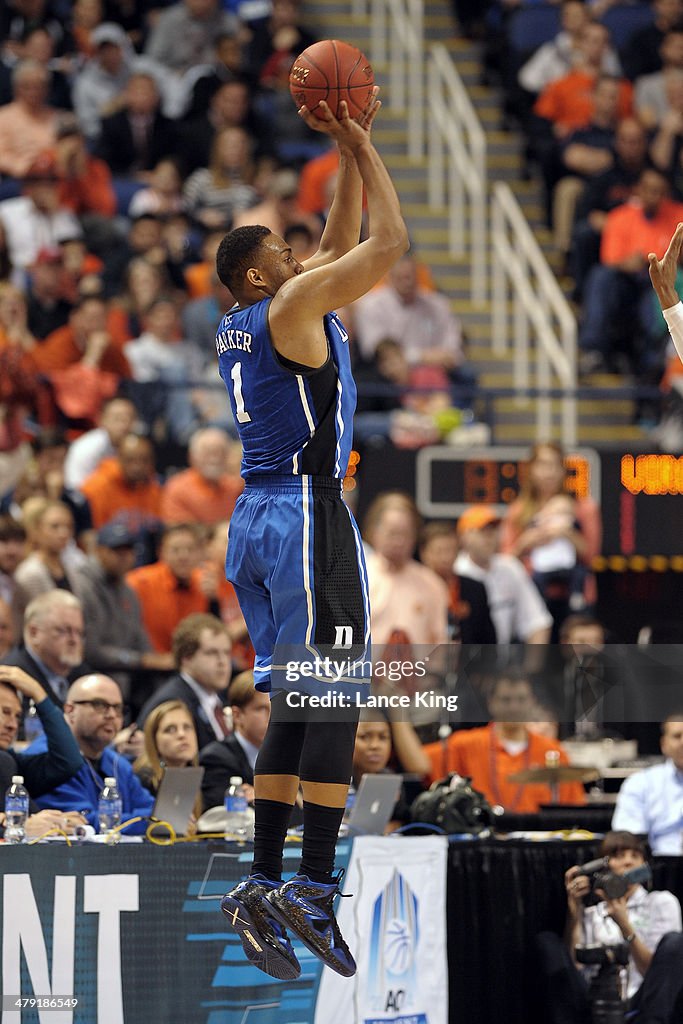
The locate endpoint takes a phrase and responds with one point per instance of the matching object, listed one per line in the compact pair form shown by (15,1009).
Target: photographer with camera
(612,920)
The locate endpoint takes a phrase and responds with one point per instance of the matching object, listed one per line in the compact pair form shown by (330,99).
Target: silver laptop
(176,796)
(375,801)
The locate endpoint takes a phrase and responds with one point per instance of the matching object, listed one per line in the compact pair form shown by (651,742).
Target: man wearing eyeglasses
(52,650)
(94,711)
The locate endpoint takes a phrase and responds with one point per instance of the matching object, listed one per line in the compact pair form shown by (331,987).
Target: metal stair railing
(397,39)
(457,169)
(457,166)
(484,400)
(521,275)
(456,146)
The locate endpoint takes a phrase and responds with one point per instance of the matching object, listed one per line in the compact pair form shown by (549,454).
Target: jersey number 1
(236,375)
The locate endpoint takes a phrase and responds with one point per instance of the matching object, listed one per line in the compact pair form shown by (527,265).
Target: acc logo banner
(396,928)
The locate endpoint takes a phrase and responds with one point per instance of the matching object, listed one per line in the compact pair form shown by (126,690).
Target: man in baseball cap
(116,534)
(517,608)
(116,640)
(35,218)
(477,517)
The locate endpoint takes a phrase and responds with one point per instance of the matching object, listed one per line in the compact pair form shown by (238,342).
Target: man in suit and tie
(236,754)
(201,649)
(52,649)
(136,136)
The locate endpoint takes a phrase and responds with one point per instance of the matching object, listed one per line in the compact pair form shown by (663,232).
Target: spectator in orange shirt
(489,755)
(85,181)
(125,483)
(175,586)
(198,276)
(243,653)
(206,492)
(314,180)
(85,339)
(83,363)
(86,188)
(568,104)
(617,315)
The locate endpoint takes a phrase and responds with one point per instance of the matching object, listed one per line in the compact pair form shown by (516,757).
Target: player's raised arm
(343,225)
(663,276)
(310,295)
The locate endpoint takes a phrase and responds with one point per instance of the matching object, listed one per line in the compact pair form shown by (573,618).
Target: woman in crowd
(170,742)
(378,742)
(215,192)
(50,528)
(556,536)
(145,283)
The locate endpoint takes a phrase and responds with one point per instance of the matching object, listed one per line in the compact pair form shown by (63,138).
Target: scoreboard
(447,480)
(639,493)
(640,570)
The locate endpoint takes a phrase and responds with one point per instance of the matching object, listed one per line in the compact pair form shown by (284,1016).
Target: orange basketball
(332,71)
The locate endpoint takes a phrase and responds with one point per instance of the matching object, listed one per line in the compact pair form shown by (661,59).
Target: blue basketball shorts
(295,558)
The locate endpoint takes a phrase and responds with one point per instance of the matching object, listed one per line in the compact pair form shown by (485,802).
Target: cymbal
(555,774)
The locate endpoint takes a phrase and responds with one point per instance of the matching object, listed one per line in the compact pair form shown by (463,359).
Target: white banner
(395,926)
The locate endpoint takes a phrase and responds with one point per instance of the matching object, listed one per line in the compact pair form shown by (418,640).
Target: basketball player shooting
(294,550)
(663,276)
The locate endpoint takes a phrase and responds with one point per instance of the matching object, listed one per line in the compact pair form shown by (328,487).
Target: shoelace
(338,879)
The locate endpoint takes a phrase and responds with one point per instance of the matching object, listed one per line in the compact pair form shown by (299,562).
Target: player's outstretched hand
(343,129)
(663,272)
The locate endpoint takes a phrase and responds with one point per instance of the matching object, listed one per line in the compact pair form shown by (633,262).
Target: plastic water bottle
(16,811)
(238,819)
(110,810)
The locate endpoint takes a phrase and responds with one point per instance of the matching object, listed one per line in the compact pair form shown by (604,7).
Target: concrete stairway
(601,421)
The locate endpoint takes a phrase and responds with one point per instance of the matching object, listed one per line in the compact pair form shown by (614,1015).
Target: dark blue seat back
(626,19)
(530,27)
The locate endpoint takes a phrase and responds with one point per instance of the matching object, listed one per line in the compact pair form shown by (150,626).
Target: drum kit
(552,773)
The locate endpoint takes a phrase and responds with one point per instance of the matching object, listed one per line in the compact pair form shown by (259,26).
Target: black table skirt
(500,895)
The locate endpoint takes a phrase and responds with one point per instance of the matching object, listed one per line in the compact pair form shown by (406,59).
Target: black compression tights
(314,751)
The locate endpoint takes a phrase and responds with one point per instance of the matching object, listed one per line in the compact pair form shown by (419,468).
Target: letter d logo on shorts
(343,636)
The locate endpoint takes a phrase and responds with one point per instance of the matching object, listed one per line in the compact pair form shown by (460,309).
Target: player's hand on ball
(370,113)
(343,129)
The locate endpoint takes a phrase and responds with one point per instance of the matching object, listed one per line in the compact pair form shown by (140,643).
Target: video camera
(605,989)
(614,886)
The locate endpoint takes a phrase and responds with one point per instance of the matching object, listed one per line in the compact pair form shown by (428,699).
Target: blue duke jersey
(291,420)
(295,555)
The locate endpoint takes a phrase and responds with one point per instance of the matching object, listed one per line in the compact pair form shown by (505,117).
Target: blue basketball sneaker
(264,940)
(305,907)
